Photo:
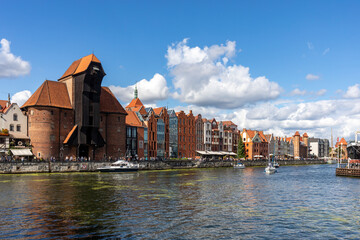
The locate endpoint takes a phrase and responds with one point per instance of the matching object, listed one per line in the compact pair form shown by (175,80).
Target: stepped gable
(80,65)
(109,103)
(50,94)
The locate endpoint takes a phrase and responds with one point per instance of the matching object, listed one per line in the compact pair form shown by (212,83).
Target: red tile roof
(135,103)
(132,119)
(80,65)
(158,110)
(109,103)
(297,133)
(305,135)
(50,94)
(228,123)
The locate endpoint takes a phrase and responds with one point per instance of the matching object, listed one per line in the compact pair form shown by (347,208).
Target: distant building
(13,130)
(134,136)
(301,145)
(173,134)
(342,144)
(156,131)
(199,133)
(319,147)
(76,116)
(256,144)
(186,134)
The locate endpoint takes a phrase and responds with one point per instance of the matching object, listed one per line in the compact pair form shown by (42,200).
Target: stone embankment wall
(49,167)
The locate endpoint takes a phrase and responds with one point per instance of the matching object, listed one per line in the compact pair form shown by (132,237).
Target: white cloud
(149,91)
(202,77)
(321,92)
(298,92)
(312,77)
(352,92)
(316,118)
(310,45)
(326,51)
(21,97)
(10,65)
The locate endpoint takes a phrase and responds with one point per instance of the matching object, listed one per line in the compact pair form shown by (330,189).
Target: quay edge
(64,167)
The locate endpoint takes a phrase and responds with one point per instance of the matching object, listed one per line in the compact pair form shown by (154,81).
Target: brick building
(256,145)
(186,135)
(76,116)
(134,136)
(301,145)
(156,131)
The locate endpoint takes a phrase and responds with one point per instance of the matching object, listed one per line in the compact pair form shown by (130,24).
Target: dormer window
(15,117)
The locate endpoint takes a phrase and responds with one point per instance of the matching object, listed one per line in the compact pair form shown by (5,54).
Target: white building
(13,121)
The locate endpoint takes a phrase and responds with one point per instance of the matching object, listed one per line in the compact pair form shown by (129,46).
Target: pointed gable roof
(80,65)
(50,94)
(158,110)
(135,103)
(109,103)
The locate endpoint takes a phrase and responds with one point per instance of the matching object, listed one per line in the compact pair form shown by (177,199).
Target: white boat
(276,165)
(331,161)
(239,166)
(270,168)
(120,166)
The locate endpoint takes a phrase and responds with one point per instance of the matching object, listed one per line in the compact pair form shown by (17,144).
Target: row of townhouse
(171,134)
(76,116)
(260,145)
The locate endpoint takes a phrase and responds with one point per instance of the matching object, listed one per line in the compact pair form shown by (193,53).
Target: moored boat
(239,166)
(120,166)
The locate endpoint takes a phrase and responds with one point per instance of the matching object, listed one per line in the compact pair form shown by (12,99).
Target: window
(52,112)
(118,119)
(15,117)
(18,128)
(11,127)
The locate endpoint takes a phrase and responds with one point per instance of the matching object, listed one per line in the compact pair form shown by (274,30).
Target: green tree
(241,149)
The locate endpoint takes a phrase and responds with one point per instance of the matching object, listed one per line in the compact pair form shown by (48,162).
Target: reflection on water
(297,202)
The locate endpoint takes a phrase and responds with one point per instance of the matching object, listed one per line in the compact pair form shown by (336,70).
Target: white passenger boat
(239,166)
(270,168)
(120,166)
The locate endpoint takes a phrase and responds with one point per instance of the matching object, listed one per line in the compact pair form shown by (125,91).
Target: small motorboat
(270,168)
(120,166)
(276,165)
(239,166)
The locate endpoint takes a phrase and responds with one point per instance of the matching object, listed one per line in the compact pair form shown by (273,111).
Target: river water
(298,202)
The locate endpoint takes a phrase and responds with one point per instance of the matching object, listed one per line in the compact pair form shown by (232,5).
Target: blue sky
(285,42)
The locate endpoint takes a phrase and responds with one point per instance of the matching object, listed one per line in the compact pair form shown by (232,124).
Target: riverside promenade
(63,167)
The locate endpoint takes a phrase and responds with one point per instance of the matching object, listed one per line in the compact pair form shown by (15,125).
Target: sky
(276,66)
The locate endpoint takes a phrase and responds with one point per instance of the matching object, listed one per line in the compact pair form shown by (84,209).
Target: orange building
(134,136)
(301,145)
(342,144)
(186,135)
(256,145)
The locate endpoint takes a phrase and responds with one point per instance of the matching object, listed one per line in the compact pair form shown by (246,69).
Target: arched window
(15,117)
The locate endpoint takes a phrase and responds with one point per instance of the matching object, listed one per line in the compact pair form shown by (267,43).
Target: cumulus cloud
(10,65)
(149,91)
(203,77)
(21,97)
(352,92)
(298,92)
(312,77)
(316,118)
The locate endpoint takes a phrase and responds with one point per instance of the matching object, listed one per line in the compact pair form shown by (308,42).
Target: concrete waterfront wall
(52,167)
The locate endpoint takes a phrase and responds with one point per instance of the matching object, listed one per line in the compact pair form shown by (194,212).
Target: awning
(211,153)
(21,152)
